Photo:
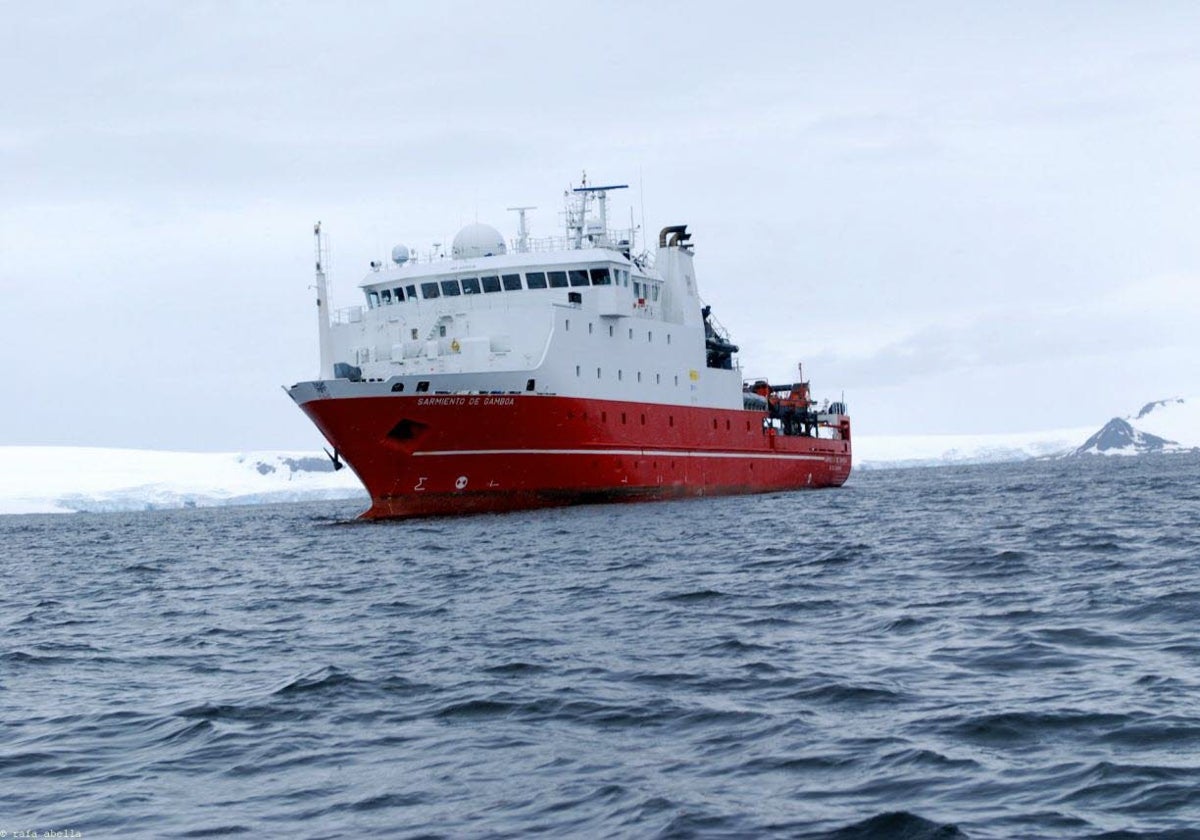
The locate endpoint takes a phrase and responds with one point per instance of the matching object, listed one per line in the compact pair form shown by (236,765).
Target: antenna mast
(522,229)
(602,200)
(323,331)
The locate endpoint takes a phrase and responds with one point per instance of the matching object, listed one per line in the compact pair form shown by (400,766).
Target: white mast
(522,230)
(324,336)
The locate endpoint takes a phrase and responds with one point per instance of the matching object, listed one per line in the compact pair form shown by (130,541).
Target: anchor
(333,456)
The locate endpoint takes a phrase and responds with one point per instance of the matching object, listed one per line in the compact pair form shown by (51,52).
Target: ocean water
(999,651)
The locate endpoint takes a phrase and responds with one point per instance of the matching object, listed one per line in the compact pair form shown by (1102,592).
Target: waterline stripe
(661,453)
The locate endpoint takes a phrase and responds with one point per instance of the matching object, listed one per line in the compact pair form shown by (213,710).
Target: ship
(542,372)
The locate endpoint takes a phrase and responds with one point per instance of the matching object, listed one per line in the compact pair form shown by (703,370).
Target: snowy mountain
(1164,426)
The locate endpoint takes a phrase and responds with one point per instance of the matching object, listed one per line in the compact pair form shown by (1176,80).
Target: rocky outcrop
(1117,436)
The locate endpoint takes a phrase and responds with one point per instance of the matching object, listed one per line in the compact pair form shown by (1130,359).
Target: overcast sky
(970,217)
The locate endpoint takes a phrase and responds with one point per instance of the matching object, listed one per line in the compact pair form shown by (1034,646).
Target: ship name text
(466,401)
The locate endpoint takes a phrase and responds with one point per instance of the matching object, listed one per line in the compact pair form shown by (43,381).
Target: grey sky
(970,217)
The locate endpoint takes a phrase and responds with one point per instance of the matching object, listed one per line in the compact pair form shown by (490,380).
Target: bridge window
(600,277)
(558,279)
(470,285)
(536,279)
(385,297)
(512,282)
(430,291)
(490,284)
(450,288)
(412,292)
(372,299)
(579,276)
(398,294)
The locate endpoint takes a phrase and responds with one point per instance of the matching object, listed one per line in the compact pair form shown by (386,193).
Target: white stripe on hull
(665,453)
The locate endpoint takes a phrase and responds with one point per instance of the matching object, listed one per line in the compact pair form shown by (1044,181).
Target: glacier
(66,479)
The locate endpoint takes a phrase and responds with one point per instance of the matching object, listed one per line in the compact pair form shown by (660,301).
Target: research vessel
(565,370)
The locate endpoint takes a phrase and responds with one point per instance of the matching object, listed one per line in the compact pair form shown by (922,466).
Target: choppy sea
(983,652)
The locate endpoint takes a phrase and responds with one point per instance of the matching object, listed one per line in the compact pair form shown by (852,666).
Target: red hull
(429,455)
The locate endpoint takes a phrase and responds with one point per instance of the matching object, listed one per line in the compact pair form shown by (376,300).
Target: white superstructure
(577,315)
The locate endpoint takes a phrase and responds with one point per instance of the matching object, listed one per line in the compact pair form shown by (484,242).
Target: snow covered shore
(62,479)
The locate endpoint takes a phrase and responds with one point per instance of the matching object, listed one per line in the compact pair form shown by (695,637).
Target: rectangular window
(654,293)
(536,279)
(579,277)
(398,294)
(600,277)
(470,285)
(372,299)
(512,282)
(412,292)
(558,279)
(450,288)
(490,284)
(386,297)
(430,291)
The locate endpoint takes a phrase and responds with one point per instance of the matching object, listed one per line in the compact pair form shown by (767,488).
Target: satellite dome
(400,254)
(477,241)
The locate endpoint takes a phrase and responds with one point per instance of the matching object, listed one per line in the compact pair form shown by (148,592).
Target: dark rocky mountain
(1171,425)
(1117,435)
